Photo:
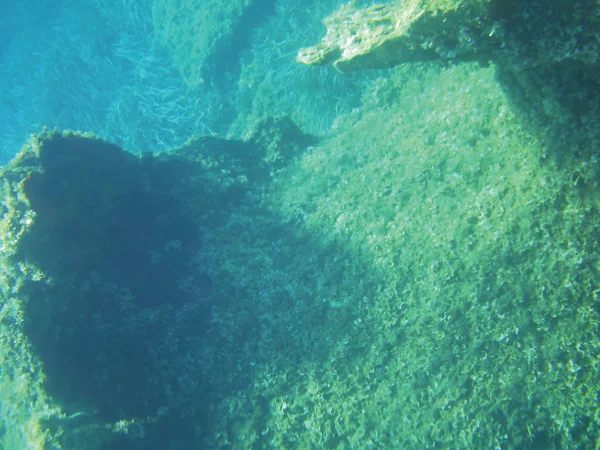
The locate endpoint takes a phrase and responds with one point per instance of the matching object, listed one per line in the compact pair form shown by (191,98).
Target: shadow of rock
(550,69)
(103,270)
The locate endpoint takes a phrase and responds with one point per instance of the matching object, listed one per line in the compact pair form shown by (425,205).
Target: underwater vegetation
(413,265)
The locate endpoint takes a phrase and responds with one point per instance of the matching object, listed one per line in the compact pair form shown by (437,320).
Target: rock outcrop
(98,280)
(546,52)
(203,33)
(382,36)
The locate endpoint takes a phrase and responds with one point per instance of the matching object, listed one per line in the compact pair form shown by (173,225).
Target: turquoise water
(100,66)
(249,253)
(93,66)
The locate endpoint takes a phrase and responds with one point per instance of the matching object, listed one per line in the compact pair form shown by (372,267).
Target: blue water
(90,66)
(98,66)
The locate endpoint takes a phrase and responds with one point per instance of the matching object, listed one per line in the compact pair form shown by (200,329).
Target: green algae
(205,33)
(23,400)
(469,289)
(426,275)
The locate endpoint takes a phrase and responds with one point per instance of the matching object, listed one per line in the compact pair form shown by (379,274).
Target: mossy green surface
(424,276)
(194,30)
(23,400)
(447,292)
(96,293)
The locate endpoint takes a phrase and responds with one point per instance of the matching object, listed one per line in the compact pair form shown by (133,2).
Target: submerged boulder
(385,35)
(100,284)
(546,52)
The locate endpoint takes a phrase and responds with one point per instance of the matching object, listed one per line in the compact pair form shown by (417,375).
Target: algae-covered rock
(202,31)
(480,325)
(386,35)
(99,286)
(101,250)
(546,52)
(383,36)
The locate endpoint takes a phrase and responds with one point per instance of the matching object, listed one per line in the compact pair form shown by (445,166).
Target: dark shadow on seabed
(114,243)
(117,325)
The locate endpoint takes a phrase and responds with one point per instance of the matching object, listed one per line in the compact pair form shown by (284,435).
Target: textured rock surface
(550,68)
(383,36)
(98,284)
(198,31)
(546,52)
(414,30)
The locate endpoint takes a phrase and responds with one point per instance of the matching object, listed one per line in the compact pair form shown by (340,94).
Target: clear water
(425,275)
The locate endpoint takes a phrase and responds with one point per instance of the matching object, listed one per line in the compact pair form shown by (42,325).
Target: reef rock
(98,279)
(545,53)
(383,36)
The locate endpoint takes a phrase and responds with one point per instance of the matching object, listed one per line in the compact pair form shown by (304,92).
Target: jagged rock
(382,36)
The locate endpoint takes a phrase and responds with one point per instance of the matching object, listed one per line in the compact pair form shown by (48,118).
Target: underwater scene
(272,224)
